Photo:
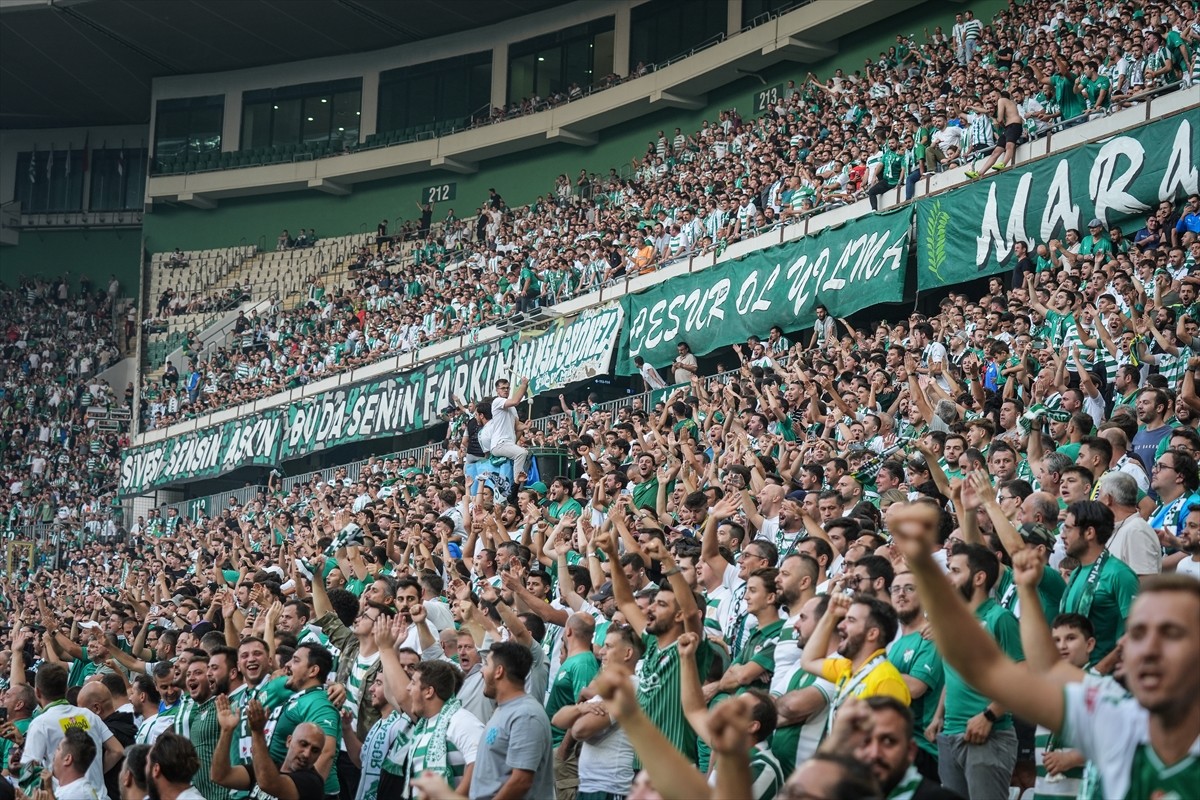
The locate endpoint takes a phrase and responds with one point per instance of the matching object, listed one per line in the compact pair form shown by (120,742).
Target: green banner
(560,354)
(971,232)
(203,453)
(847,268)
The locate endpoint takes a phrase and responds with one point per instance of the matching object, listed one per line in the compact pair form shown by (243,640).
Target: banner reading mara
(847,268)
(971,232)
(562,353)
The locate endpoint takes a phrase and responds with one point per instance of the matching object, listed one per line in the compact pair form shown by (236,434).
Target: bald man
(95,697)
(296,779)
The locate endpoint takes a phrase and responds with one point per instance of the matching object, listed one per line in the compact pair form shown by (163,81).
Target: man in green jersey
(1102,587)
(920,667)
(299,777)
(673,612)
(1144,742)
(573,675)
(306,673)
(195,718)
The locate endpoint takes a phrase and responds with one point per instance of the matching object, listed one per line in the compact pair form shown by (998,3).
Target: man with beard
(446,736)
(170,766)
(195,719)
(514,758)
(1144,742)
(673,611)
(605,755)
(296,778)
(1189,543)
(802,703)
(865,626)
(254,666)
(1102,587)
(879,732)
(369,754)
(144,695)
(977,747)
(796,584)
(306,673)
(920,666)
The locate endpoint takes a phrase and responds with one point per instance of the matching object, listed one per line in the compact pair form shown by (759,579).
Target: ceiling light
(341,129)
(324,100)
(540,58)
(358,113)
(276,108)
(310,119)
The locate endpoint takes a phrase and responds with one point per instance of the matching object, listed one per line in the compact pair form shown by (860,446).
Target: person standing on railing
(500,433)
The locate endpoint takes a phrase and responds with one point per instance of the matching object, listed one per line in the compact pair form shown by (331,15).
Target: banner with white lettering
(847,268)
(972,231)
(564,352)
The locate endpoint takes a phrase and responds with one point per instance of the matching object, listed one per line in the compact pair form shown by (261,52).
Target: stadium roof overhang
(68,63)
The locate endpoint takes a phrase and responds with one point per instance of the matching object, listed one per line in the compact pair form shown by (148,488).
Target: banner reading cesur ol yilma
(971,232)
(847,268)
(562,353)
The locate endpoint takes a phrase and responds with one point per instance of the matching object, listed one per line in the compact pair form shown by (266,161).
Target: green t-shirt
(918,657)
(658,692)
(962,701)
(1116,587)
(759,648)
(311,705)
(568,506)
(573,675)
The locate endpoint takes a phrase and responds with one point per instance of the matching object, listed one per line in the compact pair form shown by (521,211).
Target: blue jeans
(910,183)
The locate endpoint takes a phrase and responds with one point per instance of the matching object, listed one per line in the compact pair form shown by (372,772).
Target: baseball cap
(1095,223)
(1036,533)
(603,593)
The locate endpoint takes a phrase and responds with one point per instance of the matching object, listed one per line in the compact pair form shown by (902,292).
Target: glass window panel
(318,111)
(256,125)
(602,56)
(285,128)
(206,126)
(346,117)
(550,72)
(521,75)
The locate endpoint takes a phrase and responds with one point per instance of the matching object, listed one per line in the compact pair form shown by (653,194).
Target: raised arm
(964,644)
(622,592)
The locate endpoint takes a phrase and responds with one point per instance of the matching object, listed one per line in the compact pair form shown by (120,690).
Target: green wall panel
(95,253)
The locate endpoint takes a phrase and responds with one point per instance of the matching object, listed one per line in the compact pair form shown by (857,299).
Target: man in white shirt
(71,758)
(48,729)
(501,428)
(1133,540)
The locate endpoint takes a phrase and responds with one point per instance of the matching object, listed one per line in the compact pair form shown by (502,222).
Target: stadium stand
(1023,455)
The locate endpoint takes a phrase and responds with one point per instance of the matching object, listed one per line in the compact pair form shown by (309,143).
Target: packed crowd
(58,466)
(931,559)
(917,108)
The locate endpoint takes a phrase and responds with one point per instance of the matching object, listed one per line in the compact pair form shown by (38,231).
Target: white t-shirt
(47,730)
(1109,726)
(606,760)
(787,656)
(1189,566)
(503,425)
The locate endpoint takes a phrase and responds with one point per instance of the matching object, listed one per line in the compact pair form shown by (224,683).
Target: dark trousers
(348,776)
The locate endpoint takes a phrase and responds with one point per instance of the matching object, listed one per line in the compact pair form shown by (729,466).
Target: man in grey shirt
(515,753)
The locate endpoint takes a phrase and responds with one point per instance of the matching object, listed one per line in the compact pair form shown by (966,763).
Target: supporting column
(733,22)
(621,31)
(500,75)
(368,122)
(231,124)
